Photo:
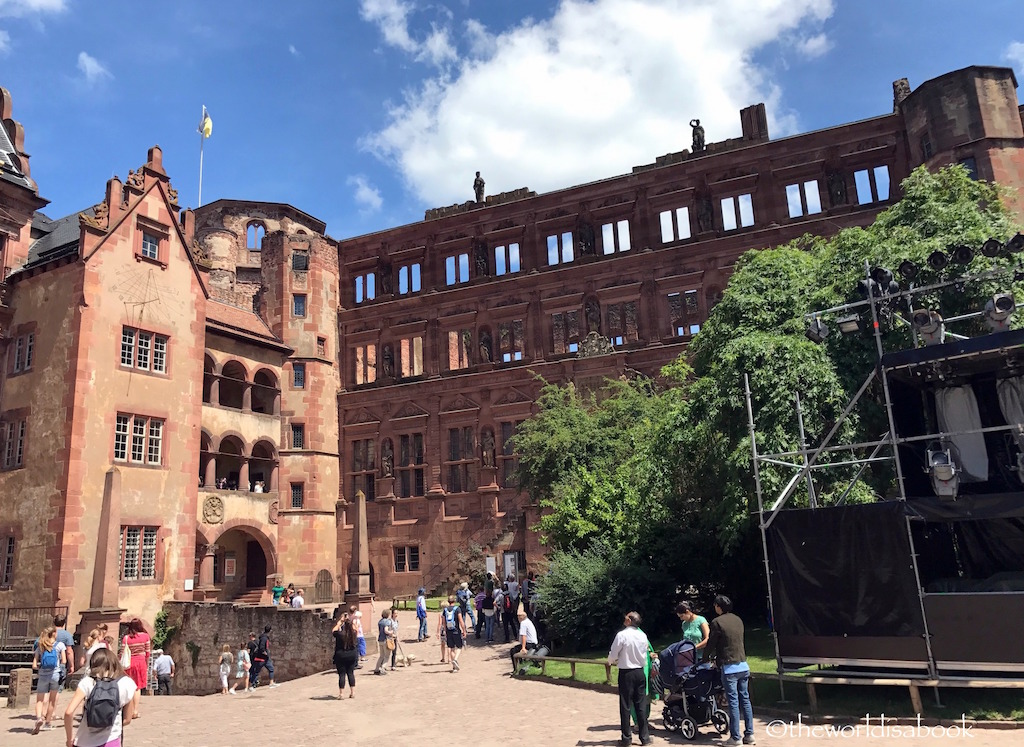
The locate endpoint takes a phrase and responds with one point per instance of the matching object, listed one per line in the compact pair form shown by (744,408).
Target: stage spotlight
(907,270)
(961,255)
(1016,244)
(816,331)
(881,276)
(943,472)
(937,260)
(929,325)
(868,287)
(849,325)
(999,311)
(991,248)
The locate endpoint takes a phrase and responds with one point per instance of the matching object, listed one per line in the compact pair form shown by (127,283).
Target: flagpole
(202,137)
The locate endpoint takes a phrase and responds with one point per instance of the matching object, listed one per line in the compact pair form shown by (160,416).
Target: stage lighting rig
(907,270)
(961,255)
(816,331)
(999,312)
(992,248)
(929,325)
(937,260)
(943,472)
(849,324)
(1016,244)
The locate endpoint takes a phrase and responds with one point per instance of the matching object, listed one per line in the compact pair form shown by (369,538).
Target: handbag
(390,643)
(126,654)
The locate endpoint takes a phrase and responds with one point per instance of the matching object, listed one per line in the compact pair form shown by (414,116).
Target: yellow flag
(206,125)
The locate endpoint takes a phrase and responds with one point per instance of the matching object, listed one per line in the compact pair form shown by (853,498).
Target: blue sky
(366,112)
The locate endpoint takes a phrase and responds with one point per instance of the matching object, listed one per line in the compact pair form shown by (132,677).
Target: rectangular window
(803,199)
(622,323)
(366,287)
(461,456)
(456,269)
(138,553)
(460,342)
(675,224)
(366,364)
(298,375)
(399,560)
(159,354)
(150,246)
(7,562)
(615,237)
(298,436)
(737,212)
(971,165)
(565,332)
(146,439)
(506,259)
(926,148)
(511,344)
(13,435)
(19,354)
(411,356)
(411,469)
(872,185)
(509,460)
(298,494)
(560,249)
(300,261)
(144,346)
(407,559)
(321,347)
(409,279)
(143,350)
(364,468)
(683,313)
(299,304)
(29,339)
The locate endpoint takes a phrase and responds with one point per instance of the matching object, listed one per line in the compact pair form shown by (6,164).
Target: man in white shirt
(630,653)
(298,600)
(527,638)
(163,668)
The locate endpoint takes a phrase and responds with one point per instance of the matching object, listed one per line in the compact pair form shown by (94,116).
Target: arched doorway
(240,559)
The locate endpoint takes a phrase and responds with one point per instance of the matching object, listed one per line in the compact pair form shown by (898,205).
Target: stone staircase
(444,575)
(249,598)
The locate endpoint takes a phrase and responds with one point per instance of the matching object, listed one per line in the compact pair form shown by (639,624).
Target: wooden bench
(570,661)
(404,599)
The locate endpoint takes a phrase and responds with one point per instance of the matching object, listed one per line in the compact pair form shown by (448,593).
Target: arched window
(254,236)
(233,385)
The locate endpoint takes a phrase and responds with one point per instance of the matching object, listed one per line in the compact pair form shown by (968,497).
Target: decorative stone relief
(213,510)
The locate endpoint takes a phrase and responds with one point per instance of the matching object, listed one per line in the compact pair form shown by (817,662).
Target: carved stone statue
(900,90)
(480,259)
(387,458)
(705,215)
(836,188)
(478,187)
(386,288)
(485,346)
(698,136)
(487,447)
(388,361)
(593,316)
(585,233)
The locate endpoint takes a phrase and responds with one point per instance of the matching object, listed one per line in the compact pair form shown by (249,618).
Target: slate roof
(60,240)
(8,171)
(220,314)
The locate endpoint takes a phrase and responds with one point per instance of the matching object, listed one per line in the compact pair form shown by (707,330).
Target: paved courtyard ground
(427,704)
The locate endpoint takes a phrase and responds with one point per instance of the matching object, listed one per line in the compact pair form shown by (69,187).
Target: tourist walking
(346,655)
(421,614)
(629,653)
(137,642)
(92,642)
(465,599)
(299,600)
(224,665)
(261,659)
(454,631)
(509,616)
(513,593)
(528,640)
(163,668)
(385,641)
(60,622)
(695,627)
(394,636)
(50,655)
(243,663)
(108,694)
(440,631)
(725,644)
(487,616)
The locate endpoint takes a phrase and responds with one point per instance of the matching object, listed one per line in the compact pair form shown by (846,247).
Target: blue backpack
(49,659)
(449,618)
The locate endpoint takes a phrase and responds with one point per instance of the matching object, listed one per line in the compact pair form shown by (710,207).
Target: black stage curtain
(843,571)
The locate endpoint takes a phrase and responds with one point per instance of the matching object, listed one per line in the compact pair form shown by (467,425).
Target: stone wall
(300,643)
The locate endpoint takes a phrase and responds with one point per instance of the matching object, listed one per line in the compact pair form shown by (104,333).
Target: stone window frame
(255,226)
(462,346)
(13,439)
(871,174)
(8,550)
(298,378)
(801,188)
(297,490)
(22,347)
(155,337)
(408,471)
(365,478)
(561,245)
(162,235)
(410,350)
(321,347)
(681,327)
(300,305)
(297,429)
(128,444)
(411,276)
(410,558)
(613,228)
(736,201)
(363,371)
(140,554)
(675,224)
(364,287)
(462,463)
(503,255)
(458,277)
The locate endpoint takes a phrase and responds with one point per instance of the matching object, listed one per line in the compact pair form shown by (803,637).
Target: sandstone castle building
(191,400)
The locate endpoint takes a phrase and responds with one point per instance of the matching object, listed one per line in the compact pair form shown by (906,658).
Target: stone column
(243,475)
(247,398)
(210,475)
(103,597)
(359,564)
(206,568)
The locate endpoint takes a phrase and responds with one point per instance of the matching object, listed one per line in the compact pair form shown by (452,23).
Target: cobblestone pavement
(426,704)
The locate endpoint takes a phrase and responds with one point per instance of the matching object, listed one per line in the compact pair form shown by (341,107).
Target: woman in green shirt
(695,627)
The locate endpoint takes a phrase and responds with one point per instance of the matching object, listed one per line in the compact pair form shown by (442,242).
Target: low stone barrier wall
(300,643)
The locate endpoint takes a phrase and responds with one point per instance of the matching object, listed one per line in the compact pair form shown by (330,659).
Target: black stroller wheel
(688,728)
(720,720)
(671,719)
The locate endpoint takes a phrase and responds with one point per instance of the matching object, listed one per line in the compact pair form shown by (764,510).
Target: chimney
(155,160)
(115,208)
(754,122)
(188,225)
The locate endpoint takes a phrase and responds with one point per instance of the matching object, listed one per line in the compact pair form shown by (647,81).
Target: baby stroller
(690,691)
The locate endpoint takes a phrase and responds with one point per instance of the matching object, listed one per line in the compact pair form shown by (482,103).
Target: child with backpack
(50,656)
(107,693)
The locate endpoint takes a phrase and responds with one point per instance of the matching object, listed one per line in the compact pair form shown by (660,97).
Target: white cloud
(1015,54)
(21,8)
(292,50)
(595,89)
(92,68)
(366,195)
(814,46)
(5,42)
(392,17)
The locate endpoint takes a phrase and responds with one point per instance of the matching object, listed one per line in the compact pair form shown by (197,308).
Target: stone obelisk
(103,597)
(359,564)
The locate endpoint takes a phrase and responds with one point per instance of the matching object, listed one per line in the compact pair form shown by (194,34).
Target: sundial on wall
(145,294)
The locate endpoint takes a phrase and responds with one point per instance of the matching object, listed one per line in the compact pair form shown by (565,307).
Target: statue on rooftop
(478,187)
(698,136)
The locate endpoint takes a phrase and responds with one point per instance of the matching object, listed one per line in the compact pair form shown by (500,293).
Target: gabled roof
(239,322)
(9,171)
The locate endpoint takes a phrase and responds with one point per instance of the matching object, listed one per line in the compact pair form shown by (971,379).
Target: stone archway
(237,559)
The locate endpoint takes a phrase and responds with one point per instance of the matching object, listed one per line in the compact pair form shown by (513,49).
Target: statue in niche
(593,316)
(705,215)
(698,136)
(836,188)
(388,361)
(387,458)
(487,447)
(478,187)
(385,280)
(480,259)
(485,346)
(585,232)
(900,90)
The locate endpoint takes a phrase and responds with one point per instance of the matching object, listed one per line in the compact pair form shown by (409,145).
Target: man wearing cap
(464,595)
(163,668)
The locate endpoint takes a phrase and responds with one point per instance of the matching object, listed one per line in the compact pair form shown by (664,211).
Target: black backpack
(103,704)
